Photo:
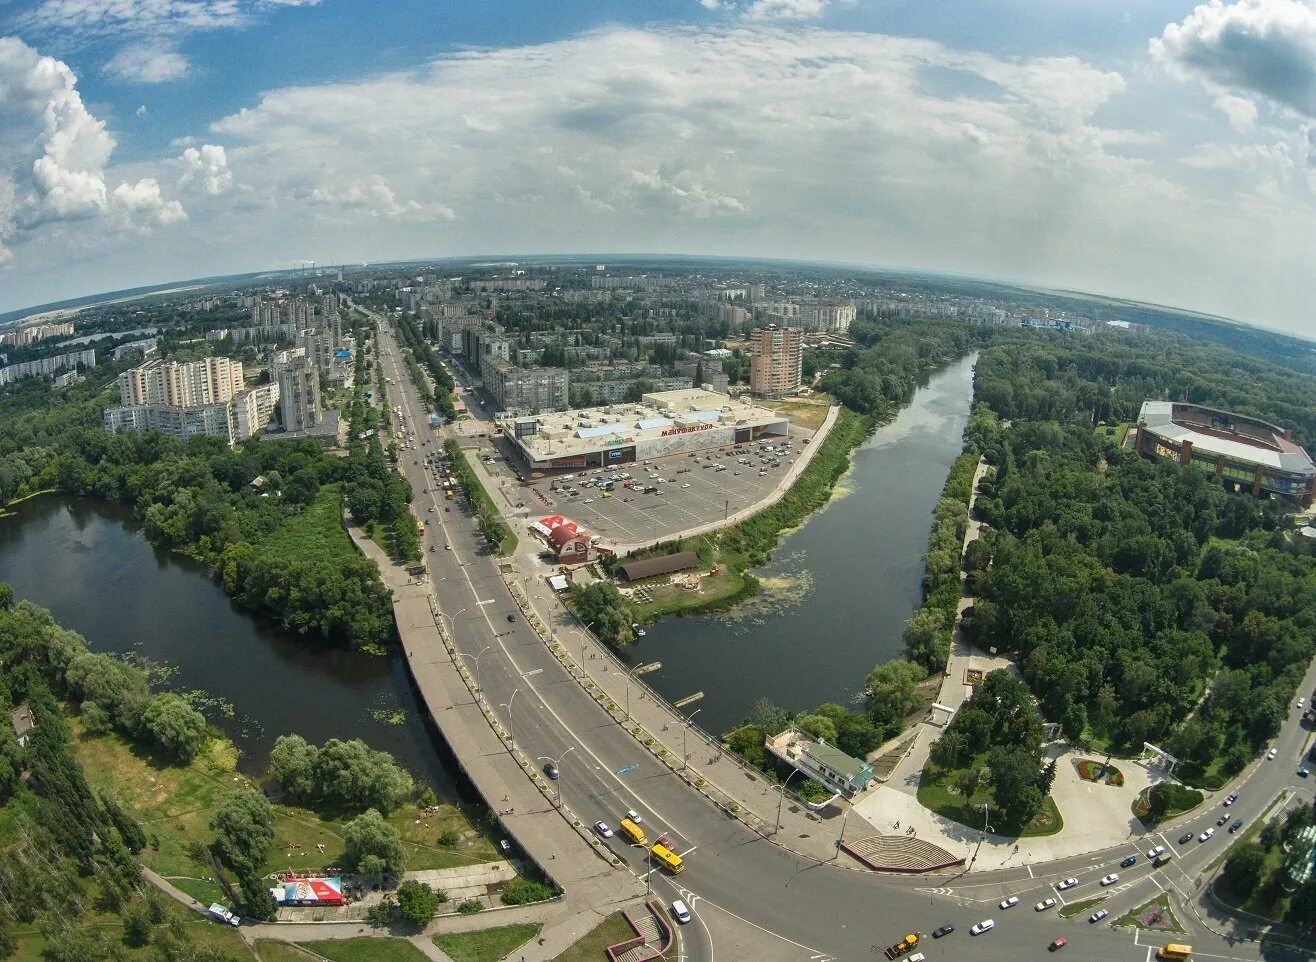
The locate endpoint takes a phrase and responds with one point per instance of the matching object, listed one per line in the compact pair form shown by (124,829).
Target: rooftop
(664,412)
(1229,435)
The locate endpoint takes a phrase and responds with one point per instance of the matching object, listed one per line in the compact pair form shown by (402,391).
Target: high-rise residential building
(47,365)
(318,346)
(526,388)
(211,380)
(299,395)
(775,360)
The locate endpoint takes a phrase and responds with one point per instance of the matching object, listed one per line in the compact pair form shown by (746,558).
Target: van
(680,912)
(633,832)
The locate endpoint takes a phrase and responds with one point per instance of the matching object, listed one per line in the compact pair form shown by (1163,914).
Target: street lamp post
(782,800)
(511,735)
(583,637)
(685,755)
(557,765)
(477,658)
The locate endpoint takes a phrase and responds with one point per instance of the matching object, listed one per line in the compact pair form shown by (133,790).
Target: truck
(905,945)
(434,420)
(221,914)
(633,832)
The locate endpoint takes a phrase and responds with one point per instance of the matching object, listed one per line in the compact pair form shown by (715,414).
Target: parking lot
(694,490)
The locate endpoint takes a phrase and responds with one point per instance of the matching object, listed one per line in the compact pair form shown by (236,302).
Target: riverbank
(727,555)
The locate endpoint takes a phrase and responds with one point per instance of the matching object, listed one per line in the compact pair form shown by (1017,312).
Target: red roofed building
(570,543)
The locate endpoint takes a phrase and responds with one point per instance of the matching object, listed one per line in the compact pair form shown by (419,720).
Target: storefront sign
(688,429)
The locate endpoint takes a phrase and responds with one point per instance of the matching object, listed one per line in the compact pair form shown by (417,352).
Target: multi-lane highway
(751,898)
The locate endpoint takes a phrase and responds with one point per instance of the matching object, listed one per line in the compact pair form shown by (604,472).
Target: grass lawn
(195,931)
(1142,812)
(367,950)
(1080,908)
(268,950)
(809,414)
(176,804)
(315,533)
(610,931)
(935,793)
(1154,916)
(486,945)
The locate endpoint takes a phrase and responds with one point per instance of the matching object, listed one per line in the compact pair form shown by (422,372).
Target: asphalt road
(752,899)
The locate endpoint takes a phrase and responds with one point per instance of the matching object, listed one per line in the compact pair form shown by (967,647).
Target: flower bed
(1091,770)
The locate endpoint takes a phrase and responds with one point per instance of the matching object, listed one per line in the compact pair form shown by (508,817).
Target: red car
(1057,944)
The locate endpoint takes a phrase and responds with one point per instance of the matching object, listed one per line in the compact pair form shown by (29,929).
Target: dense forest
(1142,600)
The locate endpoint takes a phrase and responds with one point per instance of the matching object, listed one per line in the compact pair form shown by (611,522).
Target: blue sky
(1145,148)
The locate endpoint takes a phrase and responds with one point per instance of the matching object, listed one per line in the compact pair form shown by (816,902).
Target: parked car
(1222,819)
(1270,755)
(1043,905)
(1110,879)
(1098,915)
(603,829)
(1158,850)
(1238,823)
(1205,835)
(1232,798)
(221,914)
(942,931)
(1303,773)
(986,925)
(1010,902)
(1068,883)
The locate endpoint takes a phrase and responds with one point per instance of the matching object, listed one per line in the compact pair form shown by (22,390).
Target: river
(840,588)
(89,564)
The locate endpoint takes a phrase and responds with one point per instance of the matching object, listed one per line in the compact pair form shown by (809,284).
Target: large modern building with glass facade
(1254,455)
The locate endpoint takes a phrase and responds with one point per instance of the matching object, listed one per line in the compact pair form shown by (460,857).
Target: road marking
(1030,870)
(687,851)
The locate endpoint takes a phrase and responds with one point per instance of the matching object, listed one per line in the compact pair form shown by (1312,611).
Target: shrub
(523,891)
(470,907)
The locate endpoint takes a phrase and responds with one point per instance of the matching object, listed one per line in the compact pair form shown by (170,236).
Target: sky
(1158,150)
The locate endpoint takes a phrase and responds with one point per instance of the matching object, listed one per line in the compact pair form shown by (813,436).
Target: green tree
(601,605)
(893,692)
(523,891)
(174,725)
(1014,783)
(292,766)
(244,830)
(819,726)
(382,912)
(417,902)
(1243,867)
(136,925)
(369,835)
(949,750)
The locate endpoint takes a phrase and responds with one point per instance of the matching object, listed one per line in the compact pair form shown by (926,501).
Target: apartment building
(241,416)
(46,365)
(775,360)
(211,380)
(514,388)
(299,394)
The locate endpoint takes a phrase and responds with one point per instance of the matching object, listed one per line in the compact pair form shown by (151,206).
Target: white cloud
(141,110)
(1262,47)
(67,181)
(752,139)
(207,165)
(147,63)
(143,202)
(1240,111)
(785,9)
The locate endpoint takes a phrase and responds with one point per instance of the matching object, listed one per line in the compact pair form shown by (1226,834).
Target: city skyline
(1159,151)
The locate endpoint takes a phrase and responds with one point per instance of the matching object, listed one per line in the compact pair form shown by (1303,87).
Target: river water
(87,562)
(835,600)
(839,590)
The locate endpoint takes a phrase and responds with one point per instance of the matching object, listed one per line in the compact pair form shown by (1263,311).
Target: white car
(1110,879)
(634,816)
(1205,835)
(1011,902)
(1272,753)
(1068,883)
(603,830)
(1158,850)
(1301,702)
(1098,915)
(1043,905)
(986,925)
